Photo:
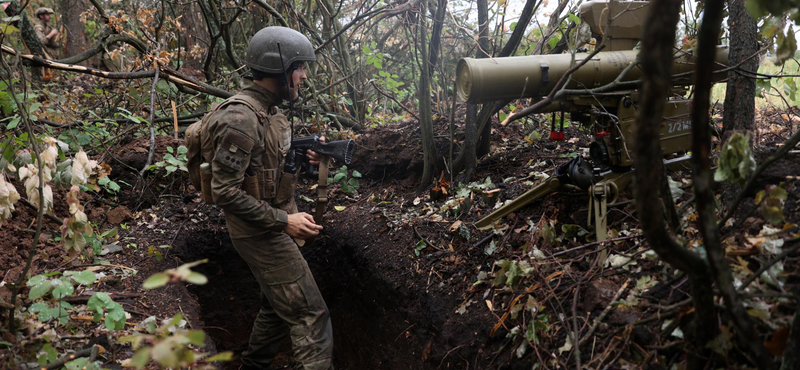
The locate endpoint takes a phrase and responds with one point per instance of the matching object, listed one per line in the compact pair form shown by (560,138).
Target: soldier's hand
(313,157)
(301,226)
(52,33)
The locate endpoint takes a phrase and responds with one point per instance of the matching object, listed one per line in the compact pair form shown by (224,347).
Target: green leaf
(40,290)
(339,177)
(339,208)
(222,356)
(156,280)
(196,337)
(736,162)
(13,124)
(197,278)
(36,280)
(574,18)
(170,150)
(356,174)
(787,45)
(354,183)
(62,288)
(98,302)
(85,277)
(419,247)
(182,150)
(141,358)
(553,41)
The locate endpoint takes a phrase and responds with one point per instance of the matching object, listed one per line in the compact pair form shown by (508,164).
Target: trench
(371,330)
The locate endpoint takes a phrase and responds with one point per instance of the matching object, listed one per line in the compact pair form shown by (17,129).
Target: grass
(770,98)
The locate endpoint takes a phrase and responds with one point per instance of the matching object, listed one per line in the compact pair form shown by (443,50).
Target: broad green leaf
(339,208)
(141,358)
(164,355)
(222,356)
(36,280)
(338,177)
(156,280)
(736,162)
(98,302)
(196,337)
(356,174)
(62,288)
(197,278)
(40,290)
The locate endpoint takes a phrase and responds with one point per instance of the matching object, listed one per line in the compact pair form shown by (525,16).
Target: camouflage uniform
(43,29)
(250,144)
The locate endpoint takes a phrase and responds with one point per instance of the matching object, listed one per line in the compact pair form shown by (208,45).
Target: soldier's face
(46,17)
(298,77)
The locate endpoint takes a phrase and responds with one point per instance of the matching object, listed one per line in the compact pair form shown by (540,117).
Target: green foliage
(772,200)
(421,245)
(511,272)
(773,30)
(736,163)
(348,184)
(42,285)
(181,273)
(171,163)
(172,346)
(102,305)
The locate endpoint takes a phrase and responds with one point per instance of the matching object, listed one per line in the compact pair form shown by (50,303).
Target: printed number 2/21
(679,126)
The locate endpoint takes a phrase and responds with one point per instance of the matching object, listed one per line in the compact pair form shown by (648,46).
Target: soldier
(250,140)
(46,34)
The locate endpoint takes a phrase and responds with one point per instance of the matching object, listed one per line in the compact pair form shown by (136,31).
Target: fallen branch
(169,75)
(596,243)
(90,352)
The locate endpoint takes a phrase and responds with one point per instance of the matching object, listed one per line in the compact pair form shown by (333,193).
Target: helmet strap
(289,84)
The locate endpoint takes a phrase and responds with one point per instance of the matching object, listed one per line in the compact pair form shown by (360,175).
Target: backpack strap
(250,102)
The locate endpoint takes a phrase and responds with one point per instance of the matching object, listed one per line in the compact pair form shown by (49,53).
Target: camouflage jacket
(42,29)
(252,145)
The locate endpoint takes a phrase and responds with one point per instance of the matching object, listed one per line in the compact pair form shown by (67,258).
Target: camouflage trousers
(291,304)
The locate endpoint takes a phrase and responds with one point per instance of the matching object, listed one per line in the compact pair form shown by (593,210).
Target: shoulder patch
(234,150)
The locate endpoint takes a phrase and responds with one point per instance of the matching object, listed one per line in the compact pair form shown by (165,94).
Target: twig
(90,352)
(152,127)
(40,214)
(625,287)
(416,232)
(769,264)
(395,100)
(483,241)
(789,145)
(596,243)
(549,99)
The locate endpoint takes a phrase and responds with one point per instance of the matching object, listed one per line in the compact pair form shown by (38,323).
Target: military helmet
(43,10)
(263,54)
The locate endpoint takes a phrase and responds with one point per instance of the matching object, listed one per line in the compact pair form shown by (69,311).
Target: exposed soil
(392,307)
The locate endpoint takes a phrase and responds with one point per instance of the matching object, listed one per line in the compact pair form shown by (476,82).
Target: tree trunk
(73,38)
(469,151)
(436,36)
(430,158)
(702,180)
(656,61)
(739,107)
(465,161)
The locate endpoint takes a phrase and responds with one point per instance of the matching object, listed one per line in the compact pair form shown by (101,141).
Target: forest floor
(407,287)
